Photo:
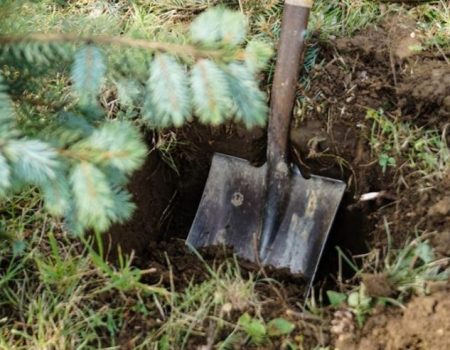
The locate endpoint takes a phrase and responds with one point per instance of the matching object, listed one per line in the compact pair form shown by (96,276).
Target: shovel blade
(305,225)
(230,209)
(232,205)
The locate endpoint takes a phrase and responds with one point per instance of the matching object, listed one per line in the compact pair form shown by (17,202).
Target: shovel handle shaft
(290,50)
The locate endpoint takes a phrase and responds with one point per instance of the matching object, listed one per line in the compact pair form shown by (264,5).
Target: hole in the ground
(333,123)
(349,232)
(167,203)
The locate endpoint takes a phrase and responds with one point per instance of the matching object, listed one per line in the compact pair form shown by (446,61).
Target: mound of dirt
(423,324)
(428,88)
(370,70)
(426,210)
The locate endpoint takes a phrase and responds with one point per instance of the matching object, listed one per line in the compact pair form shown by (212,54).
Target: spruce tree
(57,134)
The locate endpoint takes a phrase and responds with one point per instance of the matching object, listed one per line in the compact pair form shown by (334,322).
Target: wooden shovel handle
(291,46)
(293,29)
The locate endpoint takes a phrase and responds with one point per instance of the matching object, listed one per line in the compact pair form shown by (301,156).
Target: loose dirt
(176,266)
(423,324)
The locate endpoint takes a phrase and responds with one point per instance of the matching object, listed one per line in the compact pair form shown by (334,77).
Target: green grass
(434,22)
(55,291)
(58,293)
(398,144)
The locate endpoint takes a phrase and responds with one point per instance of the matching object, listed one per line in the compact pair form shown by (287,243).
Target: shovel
(271,214)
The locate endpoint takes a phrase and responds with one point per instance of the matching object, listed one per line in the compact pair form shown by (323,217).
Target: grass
(52,295)
(166,145)
(56,292)
(434,23)
(399,144)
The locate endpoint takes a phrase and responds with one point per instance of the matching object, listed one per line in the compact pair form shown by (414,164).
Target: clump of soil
(423,324)
(377,285)
(174,265)
(428,88)
(425,210)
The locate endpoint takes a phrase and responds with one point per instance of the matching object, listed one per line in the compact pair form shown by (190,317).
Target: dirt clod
(343,325)
(441,242)
(440,208)
(377,285)
(429,86)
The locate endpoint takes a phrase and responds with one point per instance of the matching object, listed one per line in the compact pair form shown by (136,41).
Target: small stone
(227,308)
(440,208)
(342,323)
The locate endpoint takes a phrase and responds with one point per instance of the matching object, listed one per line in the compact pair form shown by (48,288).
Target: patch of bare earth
(423,324)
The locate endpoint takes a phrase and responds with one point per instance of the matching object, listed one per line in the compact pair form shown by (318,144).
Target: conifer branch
(181,50)
(82,164)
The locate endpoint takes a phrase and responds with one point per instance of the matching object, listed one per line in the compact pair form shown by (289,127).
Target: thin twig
(442,52)
(177,49)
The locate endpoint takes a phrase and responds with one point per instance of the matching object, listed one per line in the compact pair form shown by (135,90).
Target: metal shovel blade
(230,213)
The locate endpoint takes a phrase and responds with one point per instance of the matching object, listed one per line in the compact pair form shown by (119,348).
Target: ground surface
(422,325)
(374,111)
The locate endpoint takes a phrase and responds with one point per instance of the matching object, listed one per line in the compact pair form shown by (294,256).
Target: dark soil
(153,188)
(377,68)
(377,285)
(174,263)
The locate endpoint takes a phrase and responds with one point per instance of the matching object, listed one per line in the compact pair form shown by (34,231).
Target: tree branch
(176,49)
